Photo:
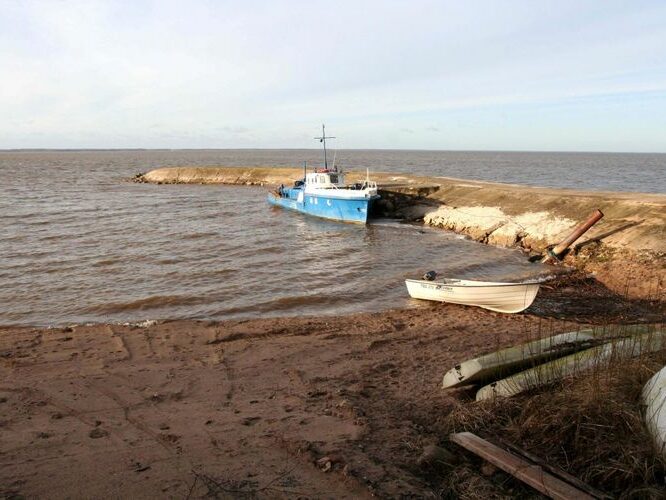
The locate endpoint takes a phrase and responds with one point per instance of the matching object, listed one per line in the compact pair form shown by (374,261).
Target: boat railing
(357,186)
(328,186)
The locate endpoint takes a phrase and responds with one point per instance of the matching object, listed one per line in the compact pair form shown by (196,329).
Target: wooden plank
(565,476)
(527,472)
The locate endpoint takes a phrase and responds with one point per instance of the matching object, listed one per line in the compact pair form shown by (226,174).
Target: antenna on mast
(322,139)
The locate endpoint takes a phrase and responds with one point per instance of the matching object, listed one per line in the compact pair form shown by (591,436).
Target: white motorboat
(500,297)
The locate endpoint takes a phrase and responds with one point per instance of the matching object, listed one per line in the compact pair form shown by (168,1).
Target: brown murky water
(80,244)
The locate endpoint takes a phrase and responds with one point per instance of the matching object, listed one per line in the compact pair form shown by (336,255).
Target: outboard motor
(430,275)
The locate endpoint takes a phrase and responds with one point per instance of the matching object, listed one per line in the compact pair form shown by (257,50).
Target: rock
(325,464)
(139,467)
(436,455)
(249,421)
(488,469)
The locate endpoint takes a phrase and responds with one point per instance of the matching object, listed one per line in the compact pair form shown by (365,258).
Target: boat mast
(322,139)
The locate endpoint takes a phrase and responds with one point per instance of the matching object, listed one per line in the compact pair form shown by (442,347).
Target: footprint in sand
(250,420)
(97,433)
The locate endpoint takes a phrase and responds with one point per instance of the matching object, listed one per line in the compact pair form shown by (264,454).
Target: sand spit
(626,249)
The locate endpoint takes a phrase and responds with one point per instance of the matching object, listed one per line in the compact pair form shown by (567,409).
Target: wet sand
(337,407)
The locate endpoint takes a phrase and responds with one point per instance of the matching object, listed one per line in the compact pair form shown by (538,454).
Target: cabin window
(334,179)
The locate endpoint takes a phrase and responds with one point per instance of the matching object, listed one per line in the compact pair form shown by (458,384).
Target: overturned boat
(324,193)
(654,398)
(496,296)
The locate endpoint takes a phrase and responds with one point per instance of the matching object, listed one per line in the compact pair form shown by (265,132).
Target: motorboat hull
(500,297)
(328,207)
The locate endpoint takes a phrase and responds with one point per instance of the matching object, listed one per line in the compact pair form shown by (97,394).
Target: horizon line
(74,150)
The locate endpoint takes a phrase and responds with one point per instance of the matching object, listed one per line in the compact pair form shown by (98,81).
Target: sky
(446,75)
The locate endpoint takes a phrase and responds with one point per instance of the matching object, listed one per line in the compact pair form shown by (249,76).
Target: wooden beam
(527,472)
(565,476)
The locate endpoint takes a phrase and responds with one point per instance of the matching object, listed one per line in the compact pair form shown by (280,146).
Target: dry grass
(590,426)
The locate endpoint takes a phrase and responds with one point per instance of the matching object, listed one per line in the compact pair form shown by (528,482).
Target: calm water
(79,244)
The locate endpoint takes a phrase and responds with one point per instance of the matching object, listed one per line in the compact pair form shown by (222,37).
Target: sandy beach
(227,226)
(108,411)
(333,407)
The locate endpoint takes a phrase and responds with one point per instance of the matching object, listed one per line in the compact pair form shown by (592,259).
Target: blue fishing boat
(324,193)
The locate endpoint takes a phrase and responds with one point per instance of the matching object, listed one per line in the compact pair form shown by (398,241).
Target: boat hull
(500,297)
(327,207)
(504,362)
(654,398)
(574,365)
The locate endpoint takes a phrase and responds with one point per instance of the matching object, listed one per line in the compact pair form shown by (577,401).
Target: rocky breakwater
(626,249)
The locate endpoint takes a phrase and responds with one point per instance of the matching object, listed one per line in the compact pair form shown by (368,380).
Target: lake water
(81,244)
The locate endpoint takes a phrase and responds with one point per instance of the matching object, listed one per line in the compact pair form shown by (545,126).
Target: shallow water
(80,244)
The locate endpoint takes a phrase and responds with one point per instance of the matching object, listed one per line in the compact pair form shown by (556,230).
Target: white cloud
(175,74)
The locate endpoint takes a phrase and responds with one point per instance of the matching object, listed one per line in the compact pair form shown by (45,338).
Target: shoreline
(317,406)
(312,406)
(626,250)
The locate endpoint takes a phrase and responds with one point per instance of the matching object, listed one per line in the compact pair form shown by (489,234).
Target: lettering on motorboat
(437,287)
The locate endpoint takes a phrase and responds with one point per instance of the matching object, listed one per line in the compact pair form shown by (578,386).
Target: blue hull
(346,210)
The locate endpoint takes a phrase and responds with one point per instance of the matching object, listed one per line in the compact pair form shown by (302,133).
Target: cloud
(259,74)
